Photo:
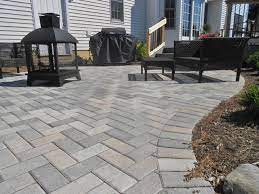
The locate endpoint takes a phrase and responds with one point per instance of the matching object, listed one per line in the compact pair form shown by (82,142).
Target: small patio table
(158,62)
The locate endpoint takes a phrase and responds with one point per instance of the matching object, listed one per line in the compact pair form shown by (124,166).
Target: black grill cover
(112,45)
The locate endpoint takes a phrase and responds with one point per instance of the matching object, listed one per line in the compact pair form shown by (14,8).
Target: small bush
(206,29)
(257,66)
(141,50)
(253,59)
(250,99)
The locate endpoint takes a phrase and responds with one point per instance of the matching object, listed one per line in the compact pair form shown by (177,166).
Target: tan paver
(118,145)
(90,152)
(116,159)
(60,159)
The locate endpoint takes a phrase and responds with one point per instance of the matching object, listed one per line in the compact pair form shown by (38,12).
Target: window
(187,6)
(197,18)
(117,10)
(238,24)
(170,13)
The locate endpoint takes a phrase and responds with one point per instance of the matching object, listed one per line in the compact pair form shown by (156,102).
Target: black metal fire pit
(51,53)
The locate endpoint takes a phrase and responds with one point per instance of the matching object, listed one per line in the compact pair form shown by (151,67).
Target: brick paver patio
(104,134)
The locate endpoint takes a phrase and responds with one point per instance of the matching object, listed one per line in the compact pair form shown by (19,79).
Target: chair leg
(238,74)
(200,75)
(1,73)
(163,70)
(145,73)
(18,69)
(173,72)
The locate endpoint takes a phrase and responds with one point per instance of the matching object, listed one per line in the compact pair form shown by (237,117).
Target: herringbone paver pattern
(104,134)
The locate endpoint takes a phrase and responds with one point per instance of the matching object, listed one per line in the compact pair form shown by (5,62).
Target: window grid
(238,24)
(197,18)
(117,10)
(187,5)
(170,13)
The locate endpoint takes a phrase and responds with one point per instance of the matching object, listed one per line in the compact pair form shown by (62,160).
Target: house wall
(214,16)
(174,34)
(155,11)
(239,9)
(16,20)
(90,16)
(217,10)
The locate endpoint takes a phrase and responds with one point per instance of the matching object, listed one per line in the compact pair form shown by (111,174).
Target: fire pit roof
(48,35)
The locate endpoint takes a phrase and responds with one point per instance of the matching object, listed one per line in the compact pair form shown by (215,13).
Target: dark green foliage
(206,29)
(141,50)
(253,59)
(250,99)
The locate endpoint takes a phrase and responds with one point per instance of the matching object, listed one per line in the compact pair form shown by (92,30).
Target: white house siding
(90,16)
(223,14)
(16,20)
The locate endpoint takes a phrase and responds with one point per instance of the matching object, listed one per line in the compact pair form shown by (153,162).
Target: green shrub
(141,50)
(206,29)
(253,59)
(250,99)
(257,65)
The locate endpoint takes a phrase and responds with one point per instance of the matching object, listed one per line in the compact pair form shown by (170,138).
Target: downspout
(192,17)
(202,15)
(180,20)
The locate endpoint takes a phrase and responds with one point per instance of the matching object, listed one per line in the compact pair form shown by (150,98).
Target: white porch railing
(156,37)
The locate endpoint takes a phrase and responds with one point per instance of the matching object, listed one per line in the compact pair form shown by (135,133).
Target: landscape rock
(243,180)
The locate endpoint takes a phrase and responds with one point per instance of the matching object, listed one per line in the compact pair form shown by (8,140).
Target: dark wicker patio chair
(211,54)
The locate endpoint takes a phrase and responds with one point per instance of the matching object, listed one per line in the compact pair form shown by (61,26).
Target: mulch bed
(227,137)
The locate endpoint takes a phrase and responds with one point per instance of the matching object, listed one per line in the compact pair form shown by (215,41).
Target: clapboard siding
(223,14)
(90,16)
(15,20)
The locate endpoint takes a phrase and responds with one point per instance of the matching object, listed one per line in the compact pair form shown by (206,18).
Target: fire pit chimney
(50,20)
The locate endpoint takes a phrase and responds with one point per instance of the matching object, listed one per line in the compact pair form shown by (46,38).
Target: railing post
(148,43)
(163,34)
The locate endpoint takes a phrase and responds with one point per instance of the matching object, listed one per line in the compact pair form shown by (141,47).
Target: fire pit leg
(78,77)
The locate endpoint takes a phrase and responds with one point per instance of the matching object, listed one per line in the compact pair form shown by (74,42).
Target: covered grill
(112,46)
(51,53)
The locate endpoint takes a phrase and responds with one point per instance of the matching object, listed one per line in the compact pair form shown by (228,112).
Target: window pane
(117,9)
(186,17)
(170,13)
(197,18)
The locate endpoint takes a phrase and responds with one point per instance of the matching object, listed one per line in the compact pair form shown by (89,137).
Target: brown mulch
(227,137)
